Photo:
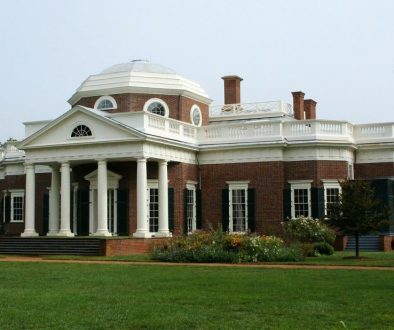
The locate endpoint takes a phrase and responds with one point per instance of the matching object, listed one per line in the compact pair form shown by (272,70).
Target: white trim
(195,107)
(300,184)
(151,184)
(153,100)
(106,97)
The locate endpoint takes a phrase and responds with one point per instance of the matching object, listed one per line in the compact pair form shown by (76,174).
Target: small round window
(80,131)
(195,115)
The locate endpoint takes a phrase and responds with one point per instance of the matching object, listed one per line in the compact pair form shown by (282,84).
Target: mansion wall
(179,106)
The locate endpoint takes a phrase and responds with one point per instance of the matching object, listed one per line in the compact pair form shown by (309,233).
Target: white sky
(338,52)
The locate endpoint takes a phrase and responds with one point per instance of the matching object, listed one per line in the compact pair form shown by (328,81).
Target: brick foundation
(122,247)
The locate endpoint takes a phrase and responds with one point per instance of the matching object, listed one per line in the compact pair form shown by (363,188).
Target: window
(153,206)
(238,208)
(81,131)
(195,115)
(157,106)
(350,172)
(17,206)
(332,190)
(105,103)
(300,199)
(191,208)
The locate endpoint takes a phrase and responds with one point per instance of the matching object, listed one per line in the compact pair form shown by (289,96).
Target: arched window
(105,103)
(156,106)
(81,131)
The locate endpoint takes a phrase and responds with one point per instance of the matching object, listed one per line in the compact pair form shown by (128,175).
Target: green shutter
(45,213)
(287,203)
(252,210)
(225,209)
(185,211)
(171,209)
(123,212)
(83,212)
(7,209)
(198,209)
(318,209)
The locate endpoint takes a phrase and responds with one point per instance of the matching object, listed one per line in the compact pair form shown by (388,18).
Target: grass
(131,296)
(380,259)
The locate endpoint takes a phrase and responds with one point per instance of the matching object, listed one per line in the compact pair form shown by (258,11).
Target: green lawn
(385,259)
(131,296)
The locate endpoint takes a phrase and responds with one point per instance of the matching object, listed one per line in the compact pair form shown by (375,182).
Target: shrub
(217,246)
(324,248)
(308,230)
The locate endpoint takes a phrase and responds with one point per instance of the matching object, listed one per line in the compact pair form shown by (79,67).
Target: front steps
(51,246)
(88,246)
(366,243)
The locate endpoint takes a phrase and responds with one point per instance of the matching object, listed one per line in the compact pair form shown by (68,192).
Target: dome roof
(138,76)
(138,66)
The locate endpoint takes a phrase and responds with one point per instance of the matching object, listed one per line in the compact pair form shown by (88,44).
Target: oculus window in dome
(81,131)
(157,106)
(105,103)
(195,115)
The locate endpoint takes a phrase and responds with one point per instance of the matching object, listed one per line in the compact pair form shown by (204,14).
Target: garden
(303,237)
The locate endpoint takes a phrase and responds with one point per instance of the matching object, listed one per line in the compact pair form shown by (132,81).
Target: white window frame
(151,184)
(153,100)
(192,187)
(350,171)
(327,184)
(237,185)
(106,97)
(301,184)
(17,193)
(195,107)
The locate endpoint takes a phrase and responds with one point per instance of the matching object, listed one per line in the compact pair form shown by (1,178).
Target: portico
(103,192)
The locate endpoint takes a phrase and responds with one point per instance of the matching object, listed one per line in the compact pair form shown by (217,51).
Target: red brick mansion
(142,153)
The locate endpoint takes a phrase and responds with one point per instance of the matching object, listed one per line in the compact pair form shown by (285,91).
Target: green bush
(308,230)
(324,248)
(217,246)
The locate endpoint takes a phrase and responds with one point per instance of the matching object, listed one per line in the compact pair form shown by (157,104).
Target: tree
(357,211)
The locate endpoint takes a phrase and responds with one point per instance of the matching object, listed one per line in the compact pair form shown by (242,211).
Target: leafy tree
(357,211)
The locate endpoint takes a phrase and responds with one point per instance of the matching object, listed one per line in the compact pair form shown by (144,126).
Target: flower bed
(217,246)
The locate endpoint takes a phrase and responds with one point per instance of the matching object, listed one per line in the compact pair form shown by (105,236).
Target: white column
(54,202)
(163,200)
(30,202)
(65,201)
(102,200)
(142,212)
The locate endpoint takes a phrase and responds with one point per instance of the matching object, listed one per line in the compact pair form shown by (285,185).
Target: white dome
(138,66)
(138,76)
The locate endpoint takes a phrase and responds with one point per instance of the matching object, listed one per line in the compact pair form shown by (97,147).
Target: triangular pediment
(59,131)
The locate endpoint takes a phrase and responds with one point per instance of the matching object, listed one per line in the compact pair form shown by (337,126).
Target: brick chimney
(298,105)
(232,89)
(310,109)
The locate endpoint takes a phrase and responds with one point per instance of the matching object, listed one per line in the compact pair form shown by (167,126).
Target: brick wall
(43,181)
(373,170)
(315,170)
(266,178)
(179,106)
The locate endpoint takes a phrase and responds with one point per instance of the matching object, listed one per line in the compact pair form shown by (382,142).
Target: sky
(338,52)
